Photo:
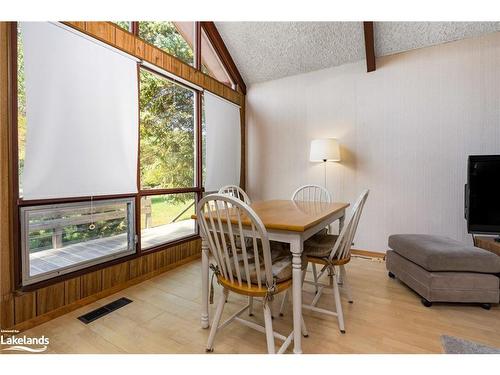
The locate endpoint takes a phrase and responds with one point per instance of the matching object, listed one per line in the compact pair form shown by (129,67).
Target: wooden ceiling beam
(369,46)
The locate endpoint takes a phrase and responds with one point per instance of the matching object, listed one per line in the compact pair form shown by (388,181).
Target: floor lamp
(323,150)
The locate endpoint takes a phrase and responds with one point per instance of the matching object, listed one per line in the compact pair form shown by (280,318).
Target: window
(168,141)
(155,208)
(166,217)
(61,238)
(175,38)
(167,136)
(210,62)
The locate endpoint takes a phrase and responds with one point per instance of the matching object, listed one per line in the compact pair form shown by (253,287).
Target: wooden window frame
(18,203)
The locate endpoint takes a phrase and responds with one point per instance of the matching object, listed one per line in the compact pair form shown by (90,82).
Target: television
(482,194)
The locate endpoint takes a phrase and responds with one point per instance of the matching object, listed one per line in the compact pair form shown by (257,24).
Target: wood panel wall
(23,310)
(6,299)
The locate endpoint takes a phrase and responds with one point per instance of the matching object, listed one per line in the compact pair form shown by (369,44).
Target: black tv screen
(483,194)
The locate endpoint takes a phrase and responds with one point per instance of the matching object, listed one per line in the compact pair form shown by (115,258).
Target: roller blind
(82,115)
(223,142)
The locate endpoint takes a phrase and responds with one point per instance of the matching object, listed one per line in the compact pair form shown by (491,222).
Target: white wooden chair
(311,193)
(248,271)
(237,192)
(330,251)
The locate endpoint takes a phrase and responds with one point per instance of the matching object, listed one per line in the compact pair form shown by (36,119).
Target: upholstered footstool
(440,269)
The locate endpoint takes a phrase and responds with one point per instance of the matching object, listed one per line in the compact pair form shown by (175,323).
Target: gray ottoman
(444,270)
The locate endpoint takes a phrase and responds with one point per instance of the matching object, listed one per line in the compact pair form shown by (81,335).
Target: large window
(58,237)
(168,141)
(175,38)
(167,133)
(154,143)
(61,238)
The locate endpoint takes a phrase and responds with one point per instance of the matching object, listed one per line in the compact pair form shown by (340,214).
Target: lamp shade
(325,150)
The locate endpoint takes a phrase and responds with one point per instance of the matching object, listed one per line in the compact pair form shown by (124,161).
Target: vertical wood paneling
(153,55)
(139,48)
(49,298)
(135,268)
(72,289)
(6,311)
(91,283)
(148,263)
(125,41)
(24,307)
(77,24)
(115,275)
(5,206)
(102,30)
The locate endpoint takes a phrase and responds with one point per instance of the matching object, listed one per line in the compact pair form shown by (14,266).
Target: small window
(167,133)
(61,238)
(211,63)
(126,25)
(166,218)
(175,38)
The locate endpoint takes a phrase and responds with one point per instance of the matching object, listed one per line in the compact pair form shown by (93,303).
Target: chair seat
(281,267)
(320,245)
(253,290)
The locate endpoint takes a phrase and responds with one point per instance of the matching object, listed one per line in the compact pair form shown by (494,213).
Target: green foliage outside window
(165,36)
(166,133)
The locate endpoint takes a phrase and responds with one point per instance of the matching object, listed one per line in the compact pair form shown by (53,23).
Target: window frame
(24,211)
(19,204)
(196,188)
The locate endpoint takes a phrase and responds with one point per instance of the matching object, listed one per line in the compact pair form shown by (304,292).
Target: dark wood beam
(369,47)
(224,55)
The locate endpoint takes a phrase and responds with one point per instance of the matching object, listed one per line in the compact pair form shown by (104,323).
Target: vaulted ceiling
(265,51)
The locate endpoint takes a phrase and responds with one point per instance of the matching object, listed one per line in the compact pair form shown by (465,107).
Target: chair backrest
(342,248)
(238,265)
(313,193)
(235,191)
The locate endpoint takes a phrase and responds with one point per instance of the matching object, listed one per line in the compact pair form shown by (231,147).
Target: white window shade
(82,115)
(223,142)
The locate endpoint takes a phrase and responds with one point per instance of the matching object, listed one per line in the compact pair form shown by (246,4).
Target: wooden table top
(291,215)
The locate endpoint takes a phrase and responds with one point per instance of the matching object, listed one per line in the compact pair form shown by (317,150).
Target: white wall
(405,129)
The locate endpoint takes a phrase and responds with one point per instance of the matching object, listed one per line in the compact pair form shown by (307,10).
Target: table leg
(296,249)
(338,276)
(204,284)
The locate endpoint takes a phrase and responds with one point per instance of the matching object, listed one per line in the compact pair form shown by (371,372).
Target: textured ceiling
(265,51)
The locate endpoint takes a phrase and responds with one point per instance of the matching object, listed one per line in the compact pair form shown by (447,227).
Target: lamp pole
(324,164)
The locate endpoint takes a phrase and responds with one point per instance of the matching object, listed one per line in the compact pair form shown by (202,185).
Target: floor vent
(104,310)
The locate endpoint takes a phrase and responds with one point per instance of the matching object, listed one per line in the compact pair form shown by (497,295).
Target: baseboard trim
(368,253)
(28,324)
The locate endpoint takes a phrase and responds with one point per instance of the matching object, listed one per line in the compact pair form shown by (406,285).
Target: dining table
(291,222)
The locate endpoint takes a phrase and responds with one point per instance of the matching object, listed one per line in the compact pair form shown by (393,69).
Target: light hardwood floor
(386,317)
